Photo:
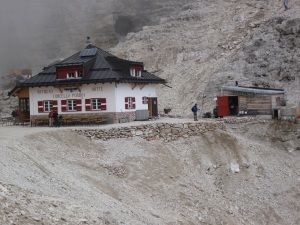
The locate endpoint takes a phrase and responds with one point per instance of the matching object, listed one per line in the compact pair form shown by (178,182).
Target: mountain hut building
(253,101)
(88,85)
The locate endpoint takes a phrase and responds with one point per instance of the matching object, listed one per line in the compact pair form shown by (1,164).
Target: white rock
(235,168)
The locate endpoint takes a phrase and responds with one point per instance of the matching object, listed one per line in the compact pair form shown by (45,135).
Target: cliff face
(196,45)
(210,44)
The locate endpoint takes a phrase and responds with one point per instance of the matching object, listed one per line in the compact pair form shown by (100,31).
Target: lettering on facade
(78,95)
(73,95)
(44,91)
(97,89)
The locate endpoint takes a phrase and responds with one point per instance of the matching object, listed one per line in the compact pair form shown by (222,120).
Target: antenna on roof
(88,41)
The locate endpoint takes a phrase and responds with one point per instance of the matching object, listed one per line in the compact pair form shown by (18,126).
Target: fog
(36,32)
(19,22)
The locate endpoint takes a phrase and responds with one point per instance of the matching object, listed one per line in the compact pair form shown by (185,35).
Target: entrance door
(223,106)
(24,113)
(152,106)
(275,114)
(233,105)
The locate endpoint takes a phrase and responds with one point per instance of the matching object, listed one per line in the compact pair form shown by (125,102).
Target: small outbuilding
(240,100)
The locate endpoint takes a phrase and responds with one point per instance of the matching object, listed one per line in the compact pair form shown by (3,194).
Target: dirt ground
(246,175)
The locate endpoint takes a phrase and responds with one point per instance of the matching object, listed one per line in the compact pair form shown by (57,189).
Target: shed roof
(253,90)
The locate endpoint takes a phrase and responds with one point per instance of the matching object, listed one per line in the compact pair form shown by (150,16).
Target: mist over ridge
(37,32)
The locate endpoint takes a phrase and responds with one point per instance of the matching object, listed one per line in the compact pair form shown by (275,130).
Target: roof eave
(13,91)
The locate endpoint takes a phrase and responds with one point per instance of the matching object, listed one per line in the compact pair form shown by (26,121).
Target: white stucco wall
(125,90)
(114,94)
(86,92)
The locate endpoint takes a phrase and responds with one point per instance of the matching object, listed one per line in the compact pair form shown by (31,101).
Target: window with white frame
(96,104)
(130,103)
(75,74)
(79,73)
(48,105)
(136,71)
(71,75)
(71,105)
(145,100)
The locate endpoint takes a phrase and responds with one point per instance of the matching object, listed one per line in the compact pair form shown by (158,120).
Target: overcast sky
(34,33)
(19,20)
(30,28)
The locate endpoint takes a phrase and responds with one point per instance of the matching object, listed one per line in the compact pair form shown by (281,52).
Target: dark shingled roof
(99,67)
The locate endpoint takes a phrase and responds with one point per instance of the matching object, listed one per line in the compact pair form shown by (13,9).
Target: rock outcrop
(197,46)
(217,43)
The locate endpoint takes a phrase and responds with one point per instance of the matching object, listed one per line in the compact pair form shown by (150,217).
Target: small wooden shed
(240,100)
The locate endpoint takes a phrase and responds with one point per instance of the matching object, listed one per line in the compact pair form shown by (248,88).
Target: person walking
(285,4)
(50,116)
(55,117)
(195,109)
(14,113)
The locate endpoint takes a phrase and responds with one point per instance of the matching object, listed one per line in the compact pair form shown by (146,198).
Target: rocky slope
(198,46)
(247,174)
(7,105)
(210,44)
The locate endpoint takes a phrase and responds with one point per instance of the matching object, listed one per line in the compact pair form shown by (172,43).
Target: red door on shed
(223,106)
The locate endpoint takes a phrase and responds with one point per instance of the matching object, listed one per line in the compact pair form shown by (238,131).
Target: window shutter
(87,104)
(78,105)
(133,102)
(55,106)
(126,103)
(64,105)
(103,103)
(40,106)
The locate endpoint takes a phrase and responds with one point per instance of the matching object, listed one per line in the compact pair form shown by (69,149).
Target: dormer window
(76,74)
(79,73)
(70,75)
(69,72)
(136,71)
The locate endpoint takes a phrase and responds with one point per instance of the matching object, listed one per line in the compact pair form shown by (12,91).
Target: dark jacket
(195,108)
(55,115)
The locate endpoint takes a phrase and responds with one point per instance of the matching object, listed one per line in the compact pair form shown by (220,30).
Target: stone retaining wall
(155,131)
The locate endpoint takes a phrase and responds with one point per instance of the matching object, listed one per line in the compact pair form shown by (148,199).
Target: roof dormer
(69,72)
(136,70)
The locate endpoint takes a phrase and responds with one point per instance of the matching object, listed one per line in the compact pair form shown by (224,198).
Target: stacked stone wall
(155,131)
